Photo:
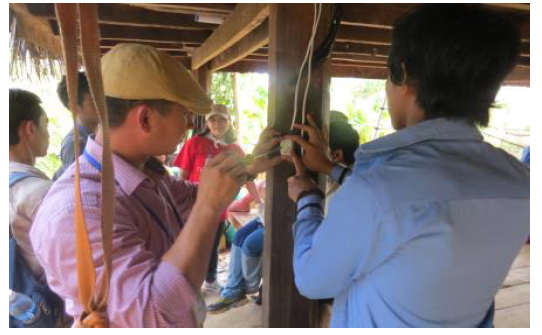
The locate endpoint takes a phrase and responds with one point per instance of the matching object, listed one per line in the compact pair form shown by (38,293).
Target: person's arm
(330,253)
(220,181)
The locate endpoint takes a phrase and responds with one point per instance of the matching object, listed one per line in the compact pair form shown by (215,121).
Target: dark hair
(337,116)
(23,106)
(118,108)
(344,137)
(82,89)
(455,56)
(229,136)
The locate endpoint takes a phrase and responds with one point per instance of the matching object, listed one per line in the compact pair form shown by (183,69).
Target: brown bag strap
(95,304)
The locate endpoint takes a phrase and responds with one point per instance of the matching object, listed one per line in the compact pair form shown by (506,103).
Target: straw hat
(141,72)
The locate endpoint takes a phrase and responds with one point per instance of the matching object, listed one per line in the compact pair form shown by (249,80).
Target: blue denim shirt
(421,234)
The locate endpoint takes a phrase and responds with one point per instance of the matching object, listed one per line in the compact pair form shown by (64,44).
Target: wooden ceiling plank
(373,15)
(109,32)
(360,34)
(121,14)
(219,9)
(241,22)
(246,46)
(362,49)
(340,71)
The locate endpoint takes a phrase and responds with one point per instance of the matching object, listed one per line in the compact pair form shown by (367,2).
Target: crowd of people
(419,230)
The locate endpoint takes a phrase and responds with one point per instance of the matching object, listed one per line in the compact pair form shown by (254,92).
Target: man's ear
(338,156)
(407,88)
(143,117)
(27,129)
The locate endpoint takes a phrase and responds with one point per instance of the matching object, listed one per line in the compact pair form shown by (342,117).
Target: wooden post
(289,32)
(204,78)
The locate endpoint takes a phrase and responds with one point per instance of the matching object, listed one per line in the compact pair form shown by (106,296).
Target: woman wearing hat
(217,137)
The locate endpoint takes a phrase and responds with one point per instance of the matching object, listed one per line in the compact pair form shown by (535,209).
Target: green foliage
(222,89)
(50,163)
(363,102)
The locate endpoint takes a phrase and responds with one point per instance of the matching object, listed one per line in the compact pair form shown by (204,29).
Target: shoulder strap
(15,177)
(94,301)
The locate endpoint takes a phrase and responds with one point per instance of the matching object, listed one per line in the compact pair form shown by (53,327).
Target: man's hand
(269,139)
(316,148)
(300,182)
(221,180)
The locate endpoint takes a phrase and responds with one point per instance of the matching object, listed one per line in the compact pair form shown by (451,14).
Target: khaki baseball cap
(218,109)
(141,72)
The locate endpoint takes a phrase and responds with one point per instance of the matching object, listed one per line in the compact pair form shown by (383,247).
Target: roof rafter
(251,43)
(245,18)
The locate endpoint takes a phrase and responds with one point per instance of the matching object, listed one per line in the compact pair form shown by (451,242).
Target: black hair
(337,116)
(118,108)
(23,106)
(455,56)
(82,90)
(344,137)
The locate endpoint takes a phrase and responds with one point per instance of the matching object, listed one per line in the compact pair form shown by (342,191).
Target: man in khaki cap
(163,228)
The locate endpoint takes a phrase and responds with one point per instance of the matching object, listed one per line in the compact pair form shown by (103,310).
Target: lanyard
(153,214)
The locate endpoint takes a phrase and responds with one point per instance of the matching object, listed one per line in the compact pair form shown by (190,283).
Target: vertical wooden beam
(289,31)
(204,78)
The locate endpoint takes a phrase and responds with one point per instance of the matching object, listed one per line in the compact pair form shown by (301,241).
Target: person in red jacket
(200,149)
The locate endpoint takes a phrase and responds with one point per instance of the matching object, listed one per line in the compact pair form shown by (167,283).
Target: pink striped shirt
(145,291)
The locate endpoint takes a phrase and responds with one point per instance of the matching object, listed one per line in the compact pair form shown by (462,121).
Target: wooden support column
(289,31)
(204,78)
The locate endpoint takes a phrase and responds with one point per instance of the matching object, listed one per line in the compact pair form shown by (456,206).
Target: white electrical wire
(315,28)
(310,47)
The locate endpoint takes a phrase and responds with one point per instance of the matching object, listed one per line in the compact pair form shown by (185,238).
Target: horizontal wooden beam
(173,53)
(517,6)
(245,18)
(525,49)
(366,35)
(219,9)
(383,15)
(340,71)
(520,76)
(153,34)
(158,45)
(246,46)
(375,15)
(126,15)
(246,66)
(358,63)
(362,49)
(337,56)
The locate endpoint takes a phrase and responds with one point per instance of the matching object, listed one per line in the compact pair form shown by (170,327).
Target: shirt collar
(20,167)
(127,176)
(83,131)
(440,129)
(215,140)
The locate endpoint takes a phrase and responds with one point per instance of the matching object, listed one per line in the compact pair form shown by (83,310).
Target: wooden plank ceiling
(234,37)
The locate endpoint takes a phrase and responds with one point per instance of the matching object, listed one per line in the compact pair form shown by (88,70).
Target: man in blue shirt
(423,231)
(87,120)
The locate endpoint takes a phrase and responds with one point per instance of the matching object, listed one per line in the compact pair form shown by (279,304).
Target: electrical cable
(309,51)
